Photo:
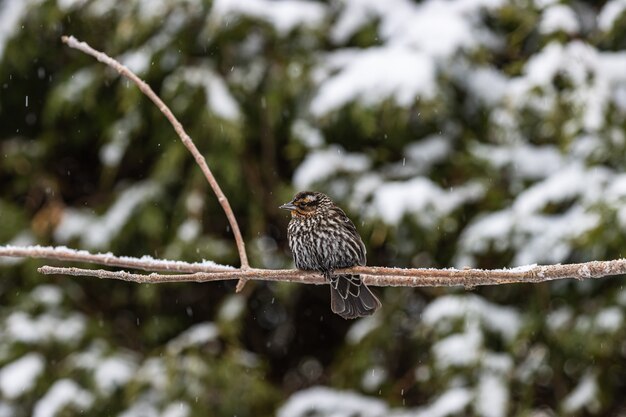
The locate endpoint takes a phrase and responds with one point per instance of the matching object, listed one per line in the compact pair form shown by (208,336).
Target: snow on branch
(72,42)
(207,271)
(146,263)
(377,276)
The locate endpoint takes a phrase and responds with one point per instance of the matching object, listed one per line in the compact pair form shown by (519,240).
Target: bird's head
(307,203)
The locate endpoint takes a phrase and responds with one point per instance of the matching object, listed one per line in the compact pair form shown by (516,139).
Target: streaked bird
(322,238)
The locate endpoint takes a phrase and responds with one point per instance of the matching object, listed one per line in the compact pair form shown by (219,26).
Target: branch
(378,276)
(72,42)
(145,263)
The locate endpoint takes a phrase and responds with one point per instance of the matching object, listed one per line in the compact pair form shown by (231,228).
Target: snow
(140,409)
(20,376)
(585,394)
(72,90)
(438,27)
(189,230)
(21,327)
(48,295)
(559,18)
(114,372)
(63,393)
(487,84)
(371,76)
(197,334)
(307,134)
(610,319)
(67,5)
(284,16)
(422,198)
(461,349)
(492,397)
(559,319)
(219,100)
(361,328)
(322,401)
(609,14)
(451,402)
(373,378)
(98,231)
(112,152)
(178,409)
(525,160)
(11,14)
(428,151)
(503,320)
(324,163)
(6,410)
(232,307)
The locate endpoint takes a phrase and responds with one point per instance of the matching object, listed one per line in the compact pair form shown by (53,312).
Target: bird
(322,238)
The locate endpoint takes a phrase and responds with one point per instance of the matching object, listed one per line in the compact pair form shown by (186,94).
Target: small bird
(322,238)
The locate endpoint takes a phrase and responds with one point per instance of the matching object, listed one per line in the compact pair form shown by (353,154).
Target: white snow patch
(232,307)
(559,18)
(361,328)
(11,14)
(179,409)
(492,397)
(428,151)
(197,334)
(422,198)
(189,230)
(218,97)
(112,152)
(307,134)
(20,376)
(284,15)
(98,231)
(560,319)
(451,402)
(438,27)
(525,160)
(585,394)
(322,401)
(611,11)
(610,319)
(371,76)
(322,164)
(113,372)
(461,349)
(503,320)
(73,88)
(485,83)
(373,378)
(63,393)
(46,327)
(47,294)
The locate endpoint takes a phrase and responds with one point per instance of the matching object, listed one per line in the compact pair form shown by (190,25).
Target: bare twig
(145,263)
(379,276)
(72,42)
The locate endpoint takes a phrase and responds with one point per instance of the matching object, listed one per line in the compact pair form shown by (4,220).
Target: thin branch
(72,42)
(145,263)
(379,276)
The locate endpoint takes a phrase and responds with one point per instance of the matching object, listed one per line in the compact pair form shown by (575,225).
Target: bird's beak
(288,206)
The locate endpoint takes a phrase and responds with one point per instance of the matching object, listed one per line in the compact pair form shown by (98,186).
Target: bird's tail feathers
(350,297)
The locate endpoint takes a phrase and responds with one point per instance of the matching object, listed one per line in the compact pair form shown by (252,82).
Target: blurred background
(486,133)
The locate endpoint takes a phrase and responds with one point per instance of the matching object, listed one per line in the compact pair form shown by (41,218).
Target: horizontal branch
(146,263)
(378,276)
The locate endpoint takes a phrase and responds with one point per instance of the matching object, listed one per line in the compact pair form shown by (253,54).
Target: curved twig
(72,42)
